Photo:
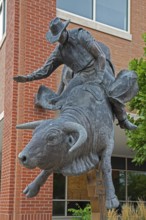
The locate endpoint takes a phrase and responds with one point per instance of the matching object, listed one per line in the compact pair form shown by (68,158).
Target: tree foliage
(137,138)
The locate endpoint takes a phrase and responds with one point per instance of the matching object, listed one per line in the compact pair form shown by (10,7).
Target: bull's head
(51,143)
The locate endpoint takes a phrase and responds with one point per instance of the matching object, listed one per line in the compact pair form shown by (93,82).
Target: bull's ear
(75,127)
(29,125)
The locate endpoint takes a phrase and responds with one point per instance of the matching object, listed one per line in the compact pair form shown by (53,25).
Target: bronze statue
(83,134)
(78,50)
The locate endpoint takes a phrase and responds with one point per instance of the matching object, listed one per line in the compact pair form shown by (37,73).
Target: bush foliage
(81,214)
(135,211)
(137,138)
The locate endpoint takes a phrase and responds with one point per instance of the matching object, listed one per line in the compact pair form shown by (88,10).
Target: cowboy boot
(126,124)
(120,113)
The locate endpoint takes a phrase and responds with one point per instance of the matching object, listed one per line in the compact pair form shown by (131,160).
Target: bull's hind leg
(111,198)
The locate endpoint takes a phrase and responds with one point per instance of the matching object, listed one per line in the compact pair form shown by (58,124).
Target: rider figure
(80,51)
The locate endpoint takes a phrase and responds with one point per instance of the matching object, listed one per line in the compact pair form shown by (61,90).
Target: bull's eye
(51,138)
(71,140)
(54,136)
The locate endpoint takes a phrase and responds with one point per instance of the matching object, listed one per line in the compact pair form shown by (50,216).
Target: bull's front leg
(111,198)
(34,187)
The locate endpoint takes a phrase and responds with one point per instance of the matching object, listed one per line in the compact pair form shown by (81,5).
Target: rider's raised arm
(50,65)
(92,46)
(46,70)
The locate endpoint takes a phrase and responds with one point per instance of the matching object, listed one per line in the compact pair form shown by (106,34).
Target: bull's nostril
(23,159)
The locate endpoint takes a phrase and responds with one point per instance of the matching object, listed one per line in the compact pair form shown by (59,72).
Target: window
(110,16)
(110,12)
(68,192)
(119,180)
(76,7)
(136,186)
(113,13)
(129,182)
(2,18)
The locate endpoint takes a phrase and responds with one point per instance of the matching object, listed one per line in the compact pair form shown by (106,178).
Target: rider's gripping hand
(21,79)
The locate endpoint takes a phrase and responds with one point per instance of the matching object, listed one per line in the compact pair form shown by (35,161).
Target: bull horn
(72,126)
(29,125)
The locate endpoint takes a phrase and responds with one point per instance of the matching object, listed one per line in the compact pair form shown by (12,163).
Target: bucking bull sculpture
(73,143)
(82,135)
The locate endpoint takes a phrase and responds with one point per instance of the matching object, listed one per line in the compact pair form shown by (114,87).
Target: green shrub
(81,214)
(129,212)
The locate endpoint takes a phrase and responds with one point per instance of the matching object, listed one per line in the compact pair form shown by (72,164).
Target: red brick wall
(2,76)
(26,50)
(8,156)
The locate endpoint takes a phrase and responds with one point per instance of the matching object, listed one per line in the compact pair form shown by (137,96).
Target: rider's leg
(121,90)
(73,83)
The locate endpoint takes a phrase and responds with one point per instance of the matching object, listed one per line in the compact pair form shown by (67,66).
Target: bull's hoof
(31,190)
(112,203)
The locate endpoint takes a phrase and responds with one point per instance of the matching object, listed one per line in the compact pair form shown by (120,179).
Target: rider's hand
(20,79)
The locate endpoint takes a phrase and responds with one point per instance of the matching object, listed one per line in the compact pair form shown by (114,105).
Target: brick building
(23,48)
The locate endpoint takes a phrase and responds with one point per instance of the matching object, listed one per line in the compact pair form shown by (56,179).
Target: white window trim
(1,115)
(4,35)
(97,25)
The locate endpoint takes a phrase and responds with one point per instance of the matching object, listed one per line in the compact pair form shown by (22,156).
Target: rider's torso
(74,54)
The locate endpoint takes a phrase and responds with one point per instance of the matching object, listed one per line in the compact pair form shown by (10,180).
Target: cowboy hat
(56,29)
